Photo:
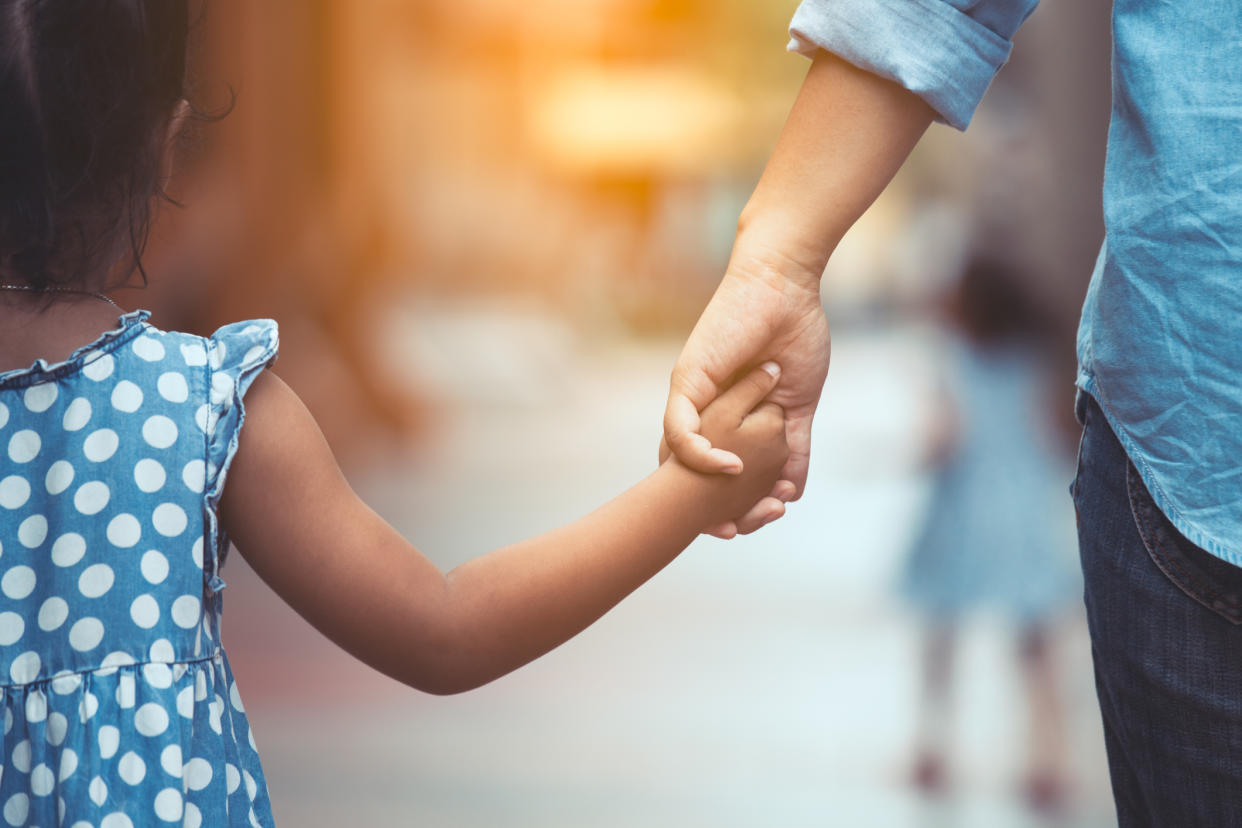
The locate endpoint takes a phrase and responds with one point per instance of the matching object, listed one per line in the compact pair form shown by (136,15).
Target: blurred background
(485,229)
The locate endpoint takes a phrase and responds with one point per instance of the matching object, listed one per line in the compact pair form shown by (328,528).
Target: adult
(1159,487)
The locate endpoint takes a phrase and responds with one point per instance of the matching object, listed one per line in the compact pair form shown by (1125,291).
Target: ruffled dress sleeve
(236,354)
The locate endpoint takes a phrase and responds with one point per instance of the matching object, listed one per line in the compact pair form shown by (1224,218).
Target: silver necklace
(58,289)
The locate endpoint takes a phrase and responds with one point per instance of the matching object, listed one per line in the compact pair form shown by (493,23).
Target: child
(997,533)
(125,472)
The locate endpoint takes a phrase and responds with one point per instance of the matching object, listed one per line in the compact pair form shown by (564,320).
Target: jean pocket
(1209,580)
(1082,405)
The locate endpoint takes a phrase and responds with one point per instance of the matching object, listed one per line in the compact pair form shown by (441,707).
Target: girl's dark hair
(992,302)
(87,88)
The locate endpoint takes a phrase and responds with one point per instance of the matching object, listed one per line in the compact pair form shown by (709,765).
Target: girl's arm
(293,516)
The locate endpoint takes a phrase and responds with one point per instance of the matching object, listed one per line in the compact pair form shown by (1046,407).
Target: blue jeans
(1164,618)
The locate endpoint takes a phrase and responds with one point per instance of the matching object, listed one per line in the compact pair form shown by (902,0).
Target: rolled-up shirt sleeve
(945,51)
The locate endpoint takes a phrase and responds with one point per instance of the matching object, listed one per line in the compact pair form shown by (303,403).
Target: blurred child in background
(995,533)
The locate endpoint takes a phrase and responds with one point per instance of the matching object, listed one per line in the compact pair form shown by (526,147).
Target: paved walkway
(768,681)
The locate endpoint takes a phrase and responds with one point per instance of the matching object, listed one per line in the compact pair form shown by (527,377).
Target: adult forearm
(847,135)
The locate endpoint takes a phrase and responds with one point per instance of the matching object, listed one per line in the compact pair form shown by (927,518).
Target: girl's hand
(742,422)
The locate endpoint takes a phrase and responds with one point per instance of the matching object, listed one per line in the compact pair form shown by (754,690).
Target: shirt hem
(1089,383)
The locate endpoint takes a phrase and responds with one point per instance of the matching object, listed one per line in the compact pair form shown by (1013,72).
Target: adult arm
(855,120)
(847,134)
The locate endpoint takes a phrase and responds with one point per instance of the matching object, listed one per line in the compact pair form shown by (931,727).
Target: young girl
(995,534)
(125,472)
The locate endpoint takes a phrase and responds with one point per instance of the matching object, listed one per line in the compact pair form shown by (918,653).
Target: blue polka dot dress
(120,708)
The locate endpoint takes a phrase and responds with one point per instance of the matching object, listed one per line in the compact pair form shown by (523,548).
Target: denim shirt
(1160,342)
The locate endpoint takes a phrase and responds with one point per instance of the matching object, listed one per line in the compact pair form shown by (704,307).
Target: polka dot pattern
(154,567)
(172,387)
(24,446)
(98,366)
(96,580)
(100,445)
(59,477)
(86,634)
(194,475)
(12,626)
(39,398)
(14,492)
(168,805)
(159,431)
(109,604)
(145,611)
(92,497)
(77,415)
(18,582)
(126,396)
(149,475)
(68,549)
(169,519)
(124,530)
(53,613)
(32,531)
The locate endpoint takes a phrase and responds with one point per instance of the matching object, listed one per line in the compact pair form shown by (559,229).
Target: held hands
(741,422)
(766,307)
(846,136)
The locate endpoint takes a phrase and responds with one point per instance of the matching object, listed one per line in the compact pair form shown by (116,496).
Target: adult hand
(767,307)
(847,134)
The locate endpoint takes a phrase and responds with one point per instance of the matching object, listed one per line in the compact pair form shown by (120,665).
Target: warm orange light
(637,120)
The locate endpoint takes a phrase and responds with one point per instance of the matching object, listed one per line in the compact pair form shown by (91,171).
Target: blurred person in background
(992,537)
(1160,384)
